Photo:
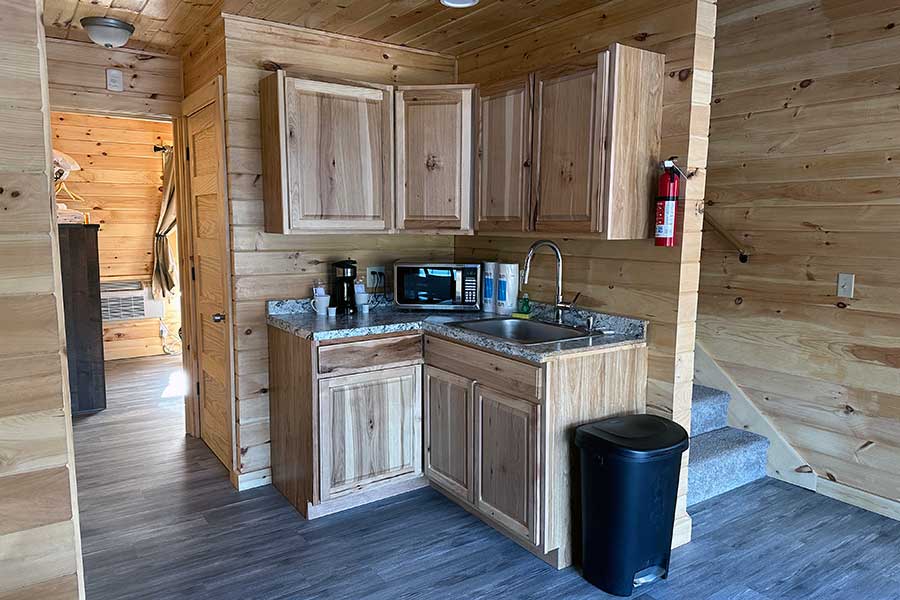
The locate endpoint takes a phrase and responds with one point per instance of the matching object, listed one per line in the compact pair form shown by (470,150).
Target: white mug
(320,304)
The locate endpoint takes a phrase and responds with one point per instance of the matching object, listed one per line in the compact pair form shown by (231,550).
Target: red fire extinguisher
(667,203)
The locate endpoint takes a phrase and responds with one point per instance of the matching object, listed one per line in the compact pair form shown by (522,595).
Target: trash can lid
(635,437)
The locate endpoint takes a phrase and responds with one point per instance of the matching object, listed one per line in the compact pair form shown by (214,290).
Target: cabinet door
(504,153)
(370,429)
(449,421)
(569,119)
(334,169)
(506,449)
(434,157)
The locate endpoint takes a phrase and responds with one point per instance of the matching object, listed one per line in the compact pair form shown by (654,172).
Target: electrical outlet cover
(372,280)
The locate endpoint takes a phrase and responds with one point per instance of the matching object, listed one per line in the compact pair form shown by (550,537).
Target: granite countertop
(296,317)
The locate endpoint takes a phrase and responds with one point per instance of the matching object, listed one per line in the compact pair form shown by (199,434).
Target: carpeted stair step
(722,460)
(709,410)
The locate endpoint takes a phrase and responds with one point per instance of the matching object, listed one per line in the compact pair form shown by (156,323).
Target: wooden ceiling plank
(401,21)
(60,14)
(551,11)
(438,20)
(388,16)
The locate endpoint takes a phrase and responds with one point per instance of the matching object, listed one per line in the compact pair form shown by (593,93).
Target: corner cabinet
(504,155)
(435,158)
(327,155)
(592,138)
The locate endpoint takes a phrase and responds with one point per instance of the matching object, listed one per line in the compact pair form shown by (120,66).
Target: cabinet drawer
(512,376)
(360,356)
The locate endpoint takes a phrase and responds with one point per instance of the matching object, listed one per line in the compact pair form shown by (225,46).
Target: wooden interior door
(339,151)
(434,157)
(569,119)
(504,154)
(211,269)
(370,428)
(506,450)
(449,441)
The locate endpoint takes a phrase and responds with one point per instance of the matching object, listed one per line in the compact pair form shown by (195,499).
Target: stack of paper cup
(489,287)
(507,287)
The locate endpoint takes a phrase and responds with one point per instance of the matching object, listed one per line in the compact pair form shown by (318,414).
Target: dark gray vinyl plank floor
(160,520)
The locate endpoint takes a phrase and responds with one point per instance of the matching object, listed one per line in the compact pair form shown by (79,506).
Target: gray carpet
(722,458)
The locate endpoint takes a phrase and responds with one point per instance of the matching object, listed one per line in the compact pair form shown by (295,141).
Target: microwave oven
(437,286)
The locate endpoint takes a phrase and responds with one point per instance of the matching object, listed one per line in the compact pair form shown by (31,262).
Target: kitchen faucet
(560,305)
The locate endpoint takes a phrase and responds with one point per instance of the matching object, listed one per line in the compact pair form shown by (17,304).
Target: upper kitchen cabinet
(327,152)
(435,158)
(593,134)
(504,152)
(569,113)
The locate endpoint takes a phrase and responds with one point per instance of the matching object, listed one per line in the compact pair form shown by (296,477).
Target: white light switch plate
(845,285)
(115,80)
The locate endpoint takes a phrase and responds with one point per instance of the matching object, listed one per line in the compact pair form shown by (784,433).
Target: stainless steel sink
(522,331)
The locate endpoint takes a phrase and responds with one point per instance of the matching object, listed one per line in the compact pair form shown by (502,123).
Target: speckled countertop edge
(388,320)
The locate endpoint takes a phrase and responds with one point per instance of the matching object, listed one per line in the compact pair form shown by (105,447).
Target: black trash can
(629,482)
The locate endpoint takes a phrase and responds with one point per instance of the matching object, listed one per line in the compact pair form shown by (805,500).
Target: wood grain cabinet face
(435,157)
(507,482)
(370,429)
(327,155)
(569,119)
(573,149)
(449,422)
(504,152)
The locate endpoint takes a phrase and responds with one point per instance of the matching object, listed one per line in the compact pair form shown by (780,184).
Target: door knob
(218,318)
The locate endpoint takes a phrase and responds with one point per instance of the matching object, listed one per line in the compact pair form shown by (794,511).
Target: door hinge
(187,153)
(193,273)
(198,389)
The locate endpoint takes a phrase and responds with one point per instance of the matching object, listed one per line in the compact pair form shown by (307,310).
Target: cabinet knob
(218,318)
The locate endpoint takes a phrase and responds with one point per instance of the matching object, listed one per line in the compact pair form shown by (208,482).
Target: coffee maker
(343,294)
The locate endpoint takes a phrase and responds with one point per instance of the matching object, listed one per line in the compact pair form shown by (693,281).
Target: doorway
(113,175)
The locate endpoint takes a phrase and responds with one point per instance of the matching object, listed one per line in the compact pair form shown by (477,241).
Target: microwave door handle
(458,277)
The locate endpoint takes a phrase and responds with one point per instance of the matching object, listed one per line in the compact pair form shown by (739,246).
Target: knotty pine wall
(630,278)
(40,544)
(805,166)
(121,183)
(269,266)
(78,80)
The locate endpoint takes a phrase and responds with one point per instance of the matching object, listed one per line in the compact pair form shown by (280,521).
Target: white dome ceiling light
(107,32)
(459,3)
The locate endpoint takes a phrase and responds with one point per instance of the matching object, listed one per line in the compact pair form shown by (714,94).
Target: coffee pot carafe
(343,295)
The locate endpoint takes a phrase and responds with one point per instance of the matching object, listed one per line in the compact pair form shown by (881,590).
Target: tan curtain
(164,269)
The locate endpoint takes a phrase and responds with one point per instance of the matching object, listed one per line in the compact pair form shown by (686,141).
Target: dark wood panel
(84,324)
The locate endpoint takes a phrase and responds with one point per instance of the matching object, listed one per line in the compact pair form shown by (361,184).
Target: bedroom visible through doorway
(120,175)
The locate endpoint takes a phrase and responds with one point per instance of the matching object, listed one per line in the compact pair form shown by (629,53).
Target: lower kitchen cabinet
(359,420)
(344,434)
(370,429)
(449,435)
(507,484)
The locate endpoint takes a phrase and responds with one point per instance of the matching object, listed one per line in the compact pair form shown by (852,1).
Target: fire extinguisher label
(665,226)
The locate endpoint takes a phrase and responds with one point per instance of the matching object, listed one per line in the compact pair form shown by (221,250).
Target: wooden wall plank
(78,80)
(40,543)
(805,129)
